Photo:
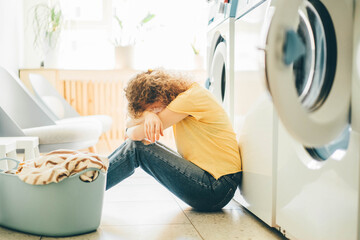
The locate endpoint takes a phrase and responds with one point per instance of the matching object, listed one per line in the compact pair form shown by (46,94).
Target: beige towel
(60,164)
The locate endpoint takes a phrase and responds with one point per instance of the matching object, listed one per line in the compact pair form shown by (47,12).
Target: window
(165,41)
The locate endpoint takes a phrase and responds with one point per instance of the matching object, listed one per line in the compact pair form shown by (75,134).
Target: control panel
(219,10)
(245,6)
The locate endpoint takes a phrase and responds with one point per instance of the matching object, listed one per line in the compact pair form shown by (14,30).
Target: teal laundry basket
(67,208)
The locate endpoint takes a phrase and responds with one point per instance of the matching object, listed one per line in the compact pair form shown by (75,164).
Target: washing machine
(220,57)
(356,68)
(308,68)
(254,119)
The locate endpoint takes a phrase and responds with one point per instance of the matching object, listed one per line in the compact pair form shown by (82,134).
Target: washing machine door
(306,69)
(218,76)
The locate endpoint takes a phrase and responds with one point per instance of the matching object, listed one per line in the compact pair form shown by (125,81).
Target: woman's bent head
(153,86)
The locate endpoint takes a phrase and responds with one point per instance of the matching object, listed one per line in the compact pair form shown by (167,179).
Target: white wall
(11,34)
(32,56)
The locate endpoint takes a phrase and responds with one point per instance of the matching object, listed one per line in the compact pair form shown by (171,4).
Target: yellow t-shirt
(205,137)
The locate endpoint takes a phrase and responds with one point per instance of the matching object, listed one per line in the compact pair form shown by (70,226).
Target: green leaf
(196,52)
(148,18)
(119,21)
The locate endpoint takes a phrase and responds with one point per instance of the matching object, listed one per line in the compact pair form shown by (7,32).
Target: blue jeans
(190,183)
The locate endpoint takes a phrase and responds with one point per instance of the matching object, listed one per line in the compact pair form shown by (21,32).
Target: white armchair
(22,115)
(60,110)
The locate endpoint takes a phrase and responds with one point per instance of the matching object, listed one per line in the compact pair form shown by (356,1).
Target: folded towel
(57,165)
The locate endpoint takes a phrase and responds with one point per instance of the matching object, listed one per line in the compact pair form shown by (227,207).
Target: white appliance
(308,68)
(254,120)
(356,68)
(220,58)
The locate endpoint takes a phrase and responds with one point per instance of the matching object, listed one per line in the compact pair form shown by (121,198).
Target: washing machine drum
(218,74)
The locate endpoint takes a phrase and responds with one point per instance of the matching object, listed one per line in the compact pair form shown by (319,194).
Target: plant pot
(51,56)
(124,56)
(51,59)
(198,62)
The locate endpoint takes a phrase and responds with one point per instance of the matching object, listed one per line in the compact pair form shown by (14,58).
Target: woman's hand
(163,120)
(153,126)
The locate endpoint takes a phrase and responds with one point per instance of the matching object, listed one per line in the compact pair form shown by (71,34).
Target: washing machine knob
(207,83)
(293,48)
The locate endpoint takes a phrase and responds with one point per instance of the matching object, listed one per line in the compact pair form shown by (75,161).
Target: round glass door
(314,71)
(308,70)
(218,76)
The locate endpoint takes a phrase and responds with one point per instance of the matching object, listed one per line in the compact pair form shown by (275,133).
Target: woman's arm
(152,131)
(130,122)
(170,118)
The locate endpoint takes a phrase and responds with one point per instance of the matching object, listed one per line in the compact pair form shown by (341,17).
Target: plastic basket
(67,208)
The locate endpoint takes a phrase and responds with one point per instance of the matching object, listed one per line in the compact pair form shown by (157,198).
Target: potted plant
(48,23)
(127,34)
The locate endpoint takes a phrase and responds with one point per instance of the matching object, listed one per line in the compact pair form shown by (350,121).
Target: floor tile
(231,205)
(140,232)
(231,224)
(143,212)
(7,234)
(141,173)
(139,180)
(128,192)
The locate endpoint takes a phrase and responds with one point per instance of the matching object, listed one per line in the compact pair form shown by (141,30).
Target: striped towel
(60,164)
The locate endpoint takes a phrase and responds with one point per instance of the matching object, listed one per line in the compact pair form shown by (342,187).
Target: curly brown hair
(153,86)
